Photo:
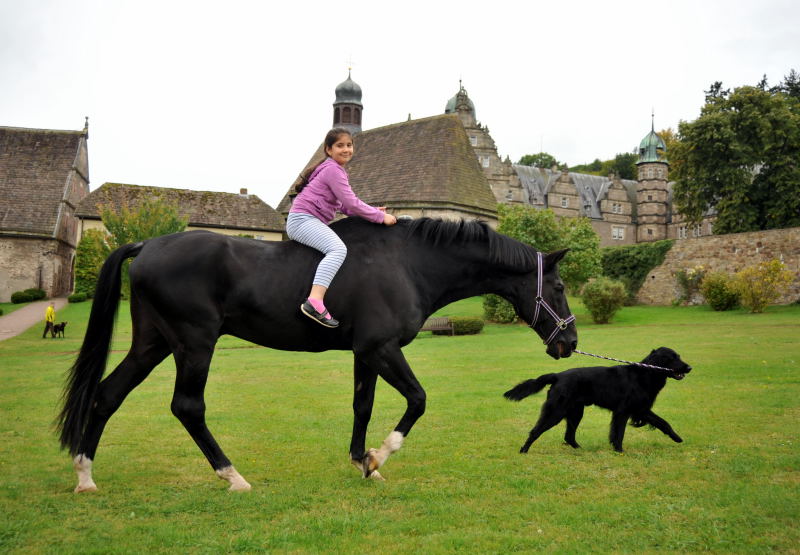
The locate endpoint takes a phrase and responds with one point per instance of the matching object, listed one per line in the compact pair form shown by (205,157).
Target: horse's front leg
(391,365)
(364,379)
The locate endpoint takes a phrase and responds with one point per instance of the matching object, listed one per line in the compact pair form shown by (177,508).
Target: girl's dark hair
(330,139)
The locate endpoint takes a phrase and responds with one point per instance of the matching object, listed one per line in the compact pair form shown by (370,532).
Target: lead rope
(670,370)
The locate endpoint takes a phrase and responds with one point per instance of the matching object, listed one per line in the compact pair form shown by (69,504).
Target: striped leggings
(308,230)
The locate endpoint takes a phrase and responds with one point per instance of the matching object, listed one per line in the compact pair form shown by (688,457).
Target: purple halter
(561,324)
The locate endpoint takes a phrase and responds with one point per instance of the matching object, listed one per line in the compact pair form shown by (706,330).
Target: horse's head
(543,306)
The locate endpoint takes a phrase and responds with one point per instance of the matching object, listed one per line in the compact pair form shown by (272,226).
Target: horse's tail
(87,371)
(529,387)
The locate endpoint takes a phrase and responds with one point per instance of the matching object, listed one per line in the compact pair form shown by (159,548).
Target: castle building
(464,176)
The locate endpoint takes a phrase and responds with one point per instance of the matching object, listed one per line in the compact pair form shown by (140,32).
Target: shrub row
(463,325)
(28,295)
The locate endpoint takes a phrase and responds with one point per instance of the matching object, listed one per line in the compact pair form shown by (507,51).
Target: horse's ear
(554,258)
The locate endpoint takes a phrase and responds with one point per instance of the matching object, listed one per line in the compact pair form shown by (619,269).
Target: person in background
(49,319)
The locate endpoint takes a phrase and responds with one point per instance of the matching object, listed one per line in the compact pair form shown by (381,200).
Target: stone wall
(35,263)
(728,253)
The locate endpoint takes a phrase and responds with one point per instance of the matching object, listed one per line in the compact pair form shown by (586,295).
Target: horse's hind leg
(188,405)
(147,351)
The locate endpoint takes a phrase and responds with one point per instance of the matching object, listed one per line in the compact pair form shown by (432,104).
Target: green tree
(540,160)
(544,231)
(740,159)
(151,218)
(624,165)
(91,252)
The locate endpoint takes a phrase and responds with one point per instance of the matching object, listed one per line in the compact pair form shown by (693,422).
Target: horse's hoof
(243,486)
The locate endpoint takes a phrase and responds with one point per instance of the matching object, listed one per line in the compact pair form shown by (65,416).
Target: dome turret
(347,108)
(348,91)
(652,148)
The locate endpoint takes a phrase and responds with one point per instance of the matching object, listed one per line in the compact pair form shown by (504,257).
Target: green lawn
(458,484)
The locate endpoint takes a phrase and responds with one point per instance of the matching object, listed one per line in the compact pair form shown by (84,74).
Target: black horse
(188,289)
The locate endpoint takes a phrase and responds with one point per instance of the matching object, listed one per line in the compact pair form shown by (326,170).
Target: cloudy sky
(223,95)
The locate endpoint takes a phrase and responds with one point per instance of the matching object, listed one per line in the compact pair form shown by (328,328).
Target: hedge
(463,325)
(630,264)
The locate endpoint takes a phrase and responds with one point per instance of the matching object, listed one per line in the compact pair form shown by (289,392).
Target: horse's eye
(559,287)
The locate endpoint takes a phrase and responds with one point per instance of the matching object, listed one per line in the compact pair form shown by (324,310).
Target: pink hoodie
(328,190)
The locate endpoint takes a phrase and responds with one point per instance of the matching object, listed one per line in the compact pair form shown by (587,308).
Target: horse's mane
(503,250)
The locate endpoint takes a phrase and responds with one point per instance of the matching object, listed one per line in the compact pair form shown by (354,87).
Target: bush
(719,291)
(603,297)
(1,311)
(77,298)
(464,325)
(36,294)
(760,285)
(498,310)
(90,254)
(18,297)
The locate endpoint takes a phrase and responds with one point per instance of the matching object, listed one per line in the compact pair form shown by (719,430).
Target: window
(682,232)
(564,202)
(616,208)
(346,118)
(473,140)
(485,161)
(649,197)
(696,231)
(649,232)
(617,233)
(649,173)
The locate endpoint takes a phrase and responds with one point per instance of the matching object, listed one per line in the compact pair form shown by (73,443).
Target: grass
(458,484)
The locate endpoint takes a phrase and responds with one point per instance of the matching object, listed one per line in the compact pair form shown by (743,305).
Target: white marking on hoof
(234,479)
(374,475)
(391,444)
(83,466)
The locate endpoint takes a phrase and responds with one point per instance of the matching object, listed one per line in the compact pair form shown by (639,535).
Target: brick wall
(728,253)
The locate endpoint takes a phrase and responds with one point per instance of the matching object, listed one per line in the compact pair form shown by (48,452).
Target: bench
(438,324)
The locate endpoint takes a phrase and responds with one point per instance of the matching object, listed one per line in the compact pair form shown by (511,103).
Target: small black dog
(58,329)
(628,391)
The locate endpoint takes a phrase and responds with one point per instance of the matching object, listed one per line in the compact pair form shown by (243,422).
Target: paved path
(21,319)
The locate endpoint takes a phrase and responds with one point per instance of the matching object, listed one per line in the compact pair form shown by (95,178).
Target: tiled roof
(425,161)
(203,208)
(34,167)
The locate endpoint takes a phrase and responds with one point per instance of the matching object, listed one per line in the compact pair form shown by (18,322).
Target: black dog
(59,329)
(628,391)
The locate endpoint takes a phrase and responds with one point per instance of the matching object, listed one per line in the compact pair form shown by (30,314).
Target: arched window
(357,116)
(336,119)
(346,115)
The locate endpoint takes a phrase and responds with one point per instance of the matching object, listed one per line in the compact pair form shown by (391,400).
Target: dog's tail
(529,387)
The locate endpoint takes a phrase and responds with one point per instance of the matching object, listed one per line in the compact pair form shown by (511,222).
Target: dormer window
(564,202)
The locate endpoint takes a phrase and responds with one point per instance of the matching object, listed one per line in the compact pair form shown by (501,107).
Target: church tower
(652,192)
(347,107)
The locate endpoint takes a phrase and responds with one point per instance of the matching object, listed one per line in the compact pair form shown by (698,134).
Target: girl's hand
(388,219)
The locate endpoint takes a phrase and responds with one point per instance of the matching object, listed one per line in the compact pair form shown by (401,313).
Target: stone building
(384,171)
(621,211)
(226,213)
(44,174)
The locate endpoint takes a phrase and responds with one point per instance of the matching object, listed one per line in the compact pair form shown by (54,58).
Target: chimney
(243,192)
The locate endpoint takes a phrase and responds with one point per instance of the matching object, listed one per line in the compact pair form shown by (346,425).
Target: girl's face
(342,149)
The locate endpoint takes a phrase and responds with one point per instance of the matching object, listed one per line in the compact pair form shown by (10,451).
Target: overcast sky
(222,95)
